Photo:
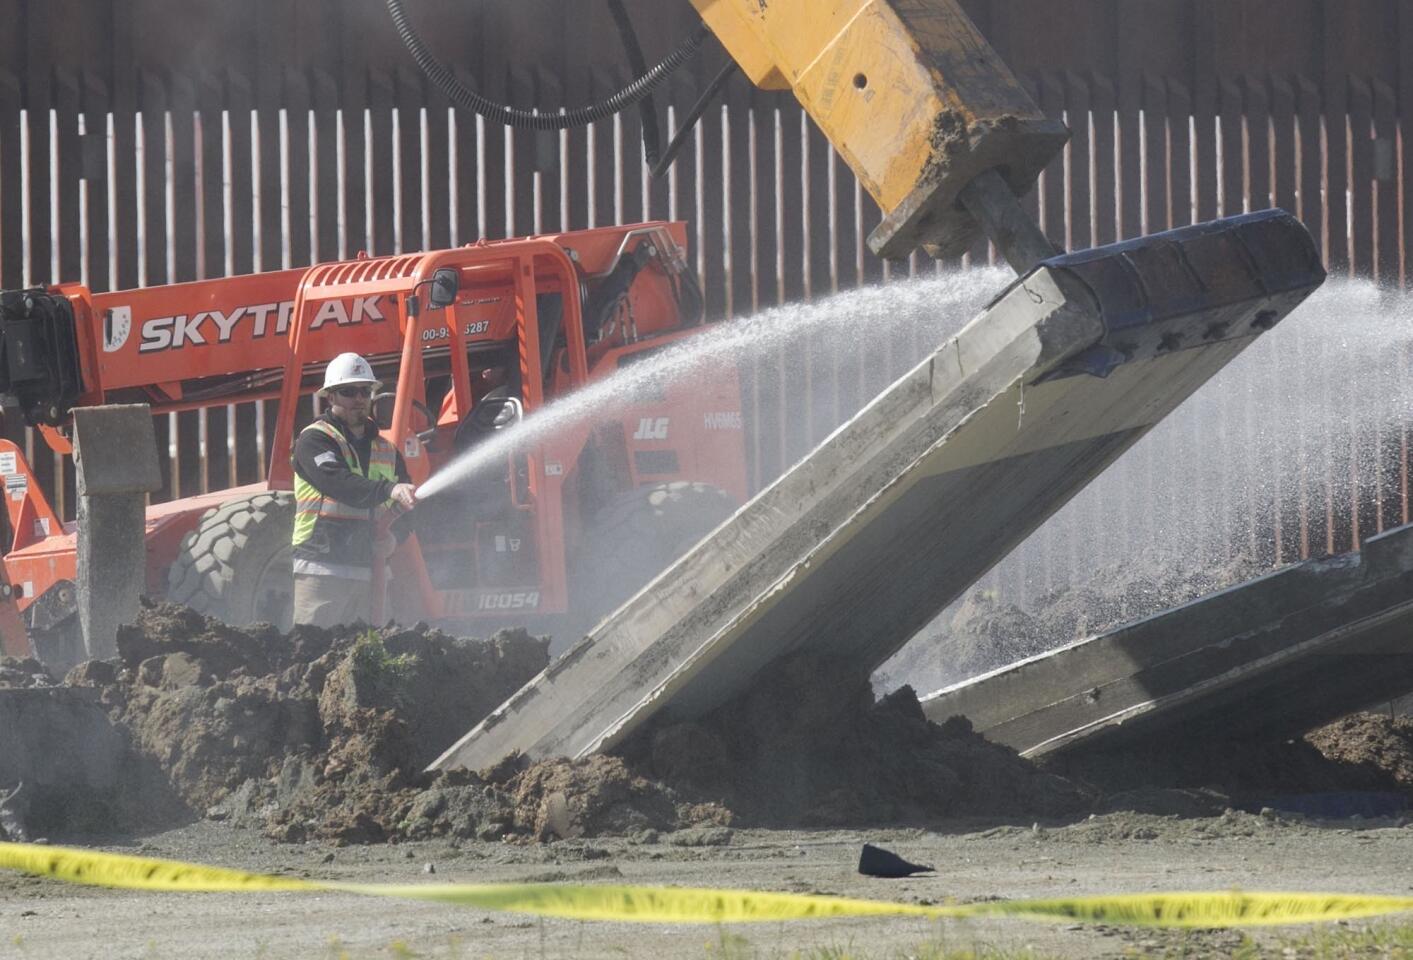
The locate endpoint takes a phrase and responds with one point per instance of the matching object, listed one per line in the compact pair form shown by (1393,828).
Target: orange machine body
(265,336)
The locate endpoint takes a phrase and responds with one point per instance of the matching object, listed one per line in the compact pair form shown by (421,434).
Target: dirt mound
(1360,754)
(25,674)
(325,734)
(564,799)
(65,767)
(314,733)
(1378,746)
(809,745)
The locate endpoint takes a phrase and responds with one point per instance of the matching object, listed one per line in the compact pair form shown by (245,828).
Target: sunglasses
(351,393)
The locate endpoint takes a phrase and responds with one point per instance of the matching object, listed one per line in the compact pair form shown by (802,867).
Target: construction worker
(345,473)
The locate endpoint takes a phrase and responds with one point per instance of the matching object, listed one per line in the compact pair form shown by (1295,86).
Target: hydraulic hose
(647,110)
(663,163)
(468,99)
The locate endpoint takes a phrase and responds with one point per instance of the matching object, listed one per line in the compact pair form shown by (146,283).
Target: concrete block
(115,458)
(115,450)
(1274,657)
(906,505)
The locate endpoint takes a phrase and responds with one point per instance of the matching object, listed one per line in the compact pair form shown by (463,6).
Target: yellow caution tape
(689,905)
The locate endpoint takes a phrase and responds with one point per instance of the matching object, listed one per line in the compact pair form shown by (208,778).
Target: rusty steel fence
(153,142)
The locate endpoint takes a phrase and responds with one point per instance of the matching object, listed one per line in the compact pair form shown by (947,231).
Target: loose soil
(325,735)
(214,741)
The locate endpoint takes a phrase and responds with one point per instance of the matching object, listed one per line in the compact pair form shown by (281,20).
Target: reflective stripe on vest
(312,507)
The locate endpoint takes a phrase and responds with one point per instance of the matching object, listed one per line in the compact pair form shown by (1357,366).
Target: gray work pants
(330,601)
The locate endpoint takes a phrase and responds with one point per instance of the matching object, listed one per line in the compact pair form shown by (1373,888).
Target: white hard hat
(348,368)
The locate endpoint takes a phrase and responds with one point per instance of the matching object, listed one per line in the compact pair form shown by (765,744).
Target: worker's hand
(405,494)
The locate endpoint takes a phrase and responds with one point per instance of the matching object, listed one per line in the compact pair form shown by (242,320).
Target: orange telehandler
(543,316)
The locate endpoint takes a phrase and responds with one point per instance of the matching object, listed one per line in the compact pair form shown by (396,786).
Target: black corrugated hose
(647,110)
(468,99)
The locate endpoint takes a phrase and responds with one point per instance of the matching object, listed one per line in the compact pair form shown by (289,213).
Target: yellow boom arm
(910,94)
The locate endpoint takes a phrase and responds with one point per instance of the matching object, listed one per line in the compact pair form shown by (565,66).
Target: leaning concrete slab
(1274,657)
(907,504)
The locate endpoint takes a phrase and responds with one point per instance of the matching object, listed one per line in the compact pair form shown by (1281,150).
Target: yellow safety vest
(313,510)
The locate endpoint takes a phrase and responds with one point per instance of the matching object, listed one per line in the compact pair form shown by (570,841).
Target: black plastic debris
(877,862)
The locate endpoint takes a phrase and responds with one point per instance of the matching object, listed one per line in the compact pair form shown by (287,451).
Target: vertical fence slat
(208,471)
(185,199)
(1335,85)
(409,102)
(1106,195)
(213,181)
(38,100)
(601,181)
(711,208)
(153,199)
(631,162)
(1361,176)
(1180,153)
(790,257)
(269,169)
(298,103)
(1258,139)
(1156,200)
(741,209)
(381,148)
(492,157)
(1283,149)
(1130,94)
(11,196)
(1405,142)
(764,436)
(353,99)
(240,228)
(1079,232)
(1054,188)
(846,224)
(468,172)
(70,173)
(154,164)
(737,195)
(439,172)
(547,156)
(1386,238)
(1204,110)
(327,202)
(822,352)
(1311,208)
(518,172)
(95,171)
(791,225)
(576,172)
(1232,175)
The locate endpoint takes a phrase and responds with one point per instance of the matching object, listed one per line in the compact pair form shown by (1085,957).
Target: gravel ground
(1122,852)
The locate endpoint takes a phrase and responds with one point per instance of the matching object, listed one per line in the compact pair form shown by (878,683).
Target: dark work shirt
(331,475)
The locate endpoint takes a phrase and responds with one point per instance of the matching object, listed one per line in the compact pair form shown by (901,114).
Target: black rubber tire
(235,565)
(632,540)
